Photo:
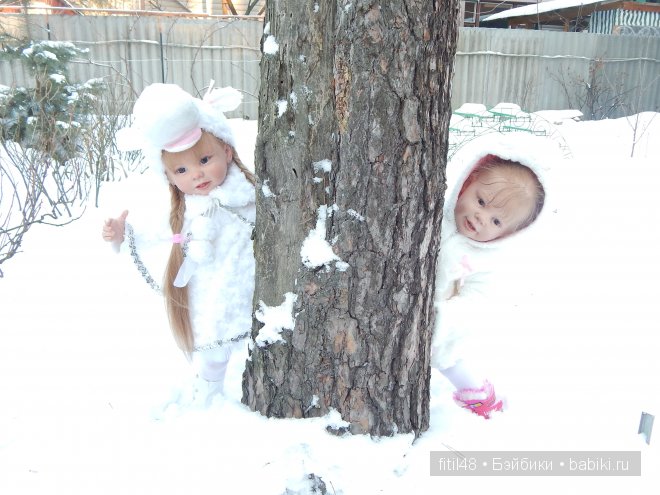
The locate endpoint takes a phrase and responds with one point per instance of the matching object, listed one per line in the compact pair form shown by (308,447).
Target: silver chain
(217,204)
(138,262)
(219,343)
(152,283)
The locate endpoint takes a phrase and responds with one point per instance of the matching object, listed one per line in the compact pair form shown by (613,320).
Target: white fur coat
(219,263)
(465,267)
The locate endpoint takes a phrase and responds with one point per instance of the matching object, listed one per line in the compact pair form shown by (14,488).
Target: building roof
(567,12)
(546,7)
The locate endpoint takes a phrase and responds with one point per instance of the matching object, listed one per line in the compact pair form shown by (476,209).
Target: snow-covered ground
(86,356)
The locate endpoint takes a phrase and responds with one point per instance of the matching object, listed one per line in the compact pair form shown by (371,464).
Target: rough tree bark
(365,86)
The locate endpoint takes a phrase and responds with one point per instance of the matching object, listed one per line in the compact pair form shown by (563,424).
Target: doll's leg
(210,367)
(212,376)
(476,395)
(215,377)
(461,376)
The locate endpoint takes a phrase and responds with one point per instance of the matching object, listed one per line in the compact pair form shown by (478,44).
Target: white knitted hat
(165,117)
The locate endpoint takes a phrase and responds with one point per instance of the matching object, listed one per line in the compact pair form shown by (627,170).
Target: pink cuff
(481,401)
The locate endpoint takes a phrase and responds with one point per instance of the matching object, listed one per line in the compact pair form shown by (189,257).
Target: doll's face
(200,169)
(493,205)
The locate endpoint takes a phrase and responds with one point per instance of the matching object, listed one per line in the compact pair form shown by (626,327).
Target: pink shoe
(481,401)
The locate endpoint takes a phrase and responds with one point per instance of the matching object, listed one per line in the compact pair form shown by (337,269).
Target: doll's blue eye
(482,202)
(181,170)
(205,160)
(497,222)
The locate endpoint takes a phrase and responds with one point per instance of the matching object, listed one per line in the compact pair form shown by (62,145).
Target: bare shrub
(597,95)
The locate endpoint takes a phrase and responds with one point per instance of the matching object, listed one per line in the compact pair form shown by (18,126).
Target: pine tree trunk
(365,86)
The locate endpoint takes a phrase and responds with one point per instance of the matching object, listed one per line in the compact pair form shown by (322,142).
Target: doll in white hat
(208,280)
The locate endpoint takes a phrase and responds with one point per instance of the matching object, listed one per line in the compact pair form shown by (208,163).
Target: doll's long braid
(176,298)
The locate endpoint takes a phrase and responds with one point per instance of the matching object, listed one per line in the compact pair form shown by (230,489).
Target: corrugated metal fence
(544,70)
(606,21)
(539,70)
(134,51)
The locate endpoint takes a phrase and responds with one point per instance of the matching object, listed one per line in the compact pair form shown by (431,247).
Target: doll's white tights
(210,382)
(214,372)
(461,376)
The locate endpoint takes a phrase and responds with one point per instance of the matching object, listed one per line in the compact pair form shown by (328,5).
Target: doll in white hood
(496,194)
(208,276)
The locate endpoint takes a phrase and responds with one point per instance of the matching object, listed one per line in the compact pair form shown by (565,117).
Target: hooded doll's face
(200,169)
(493,205)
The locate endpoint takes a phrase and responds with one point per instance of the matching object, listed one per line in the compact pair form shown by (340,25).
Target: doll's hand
(113,228)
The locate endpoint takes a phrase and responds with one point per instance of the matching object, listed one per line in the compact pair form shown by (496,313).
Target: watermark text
(536,463)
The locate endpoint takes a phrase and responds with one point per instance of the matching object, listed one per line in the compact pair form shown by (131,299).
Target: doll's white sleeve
(458,320)
(147,249)
(134,239)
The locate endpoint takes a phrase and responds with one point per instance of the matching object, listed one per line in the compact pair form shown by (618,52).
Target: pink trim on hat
(188,140)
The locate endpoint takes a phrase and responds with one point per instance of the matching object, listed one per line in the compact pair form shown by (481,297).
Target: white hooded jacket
(465,266)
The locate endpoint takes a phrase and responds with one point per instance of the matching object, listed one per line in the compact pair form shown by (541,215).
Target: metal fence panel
(545,70)
(539,70)
(133,51)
